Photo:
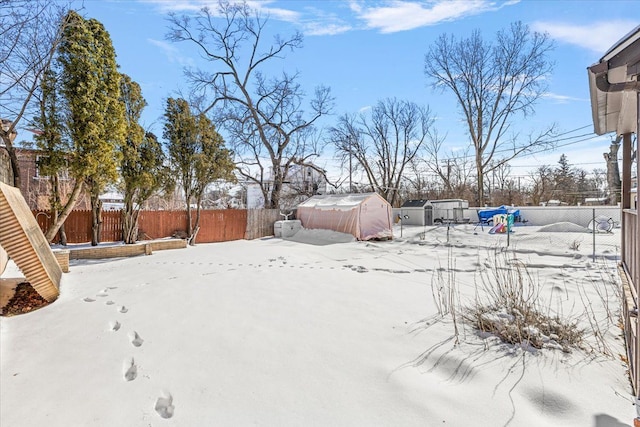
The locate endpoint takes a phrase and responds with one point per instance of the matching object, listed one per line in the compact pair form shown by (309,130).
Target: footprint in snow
(87,299)
(131,370)
(109,302)
(136,340)
(123,309)
(164,406)
(114,326)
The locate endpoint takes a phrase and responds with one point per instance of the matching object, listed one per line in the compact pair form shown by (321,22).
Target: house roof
(613,86)
(415,203)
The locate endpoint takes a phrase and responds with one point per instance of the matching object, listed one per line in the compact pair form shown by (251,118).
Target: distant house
(302,182)
(614,86)
(112,201)
(35,186)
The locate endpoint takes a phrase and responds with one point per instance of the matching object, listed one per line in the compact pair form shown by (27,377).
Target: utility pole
(350,184)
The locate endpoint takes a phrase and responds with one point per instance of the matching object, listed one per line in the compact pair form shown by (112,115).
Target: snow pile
(564,227)
(320,237)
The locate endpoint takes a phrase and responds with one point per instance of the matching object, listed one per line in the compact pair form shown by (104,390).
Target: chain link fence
(571,231)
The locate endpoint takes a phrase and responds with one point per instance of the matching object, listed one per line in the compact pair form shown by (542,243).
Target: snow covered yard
(316,331)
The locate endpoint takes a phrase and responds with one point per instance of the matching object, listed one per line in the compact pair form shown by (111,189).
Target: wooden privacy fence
(215,225)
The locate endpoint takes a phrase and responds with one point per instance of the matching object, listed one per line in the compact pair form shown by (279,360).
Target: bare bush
(608,314)
(575,245)
(444,291)
(508,305)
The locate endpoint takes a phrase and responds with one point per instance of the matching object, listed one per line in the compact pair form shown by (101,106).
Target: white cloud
(401,15)
(325,29)
(562,99)
(173,54)
(261,6)
(597,37)
(182,5)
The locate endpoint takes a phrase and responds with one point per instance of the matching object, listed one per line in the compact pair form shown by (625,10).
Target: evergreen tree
(565,181)
(196,153)
(212,162)
(52,163)
(142,167)
(95,116)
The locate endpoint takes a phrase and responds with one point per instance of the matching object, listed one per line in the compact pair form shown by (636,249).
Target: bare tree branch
(264,117)
(493,83)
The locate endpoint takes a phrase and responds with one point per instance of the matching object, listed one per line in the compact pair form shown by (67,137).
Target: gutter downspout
(601,72)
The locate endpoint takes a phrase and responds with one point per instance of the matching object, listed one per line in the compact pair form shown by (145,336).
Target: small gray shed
(416,212)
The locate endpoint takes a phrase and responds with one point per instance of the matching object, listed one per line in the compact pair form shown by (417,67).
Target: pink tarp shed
(366,215)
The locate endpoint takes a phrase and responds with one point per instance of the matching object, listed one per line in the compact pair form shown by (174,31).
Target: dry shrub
(508,305)
(445,292)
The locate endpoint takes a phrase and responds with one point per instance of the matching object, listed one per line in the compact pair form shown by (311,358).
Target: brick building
(35,188)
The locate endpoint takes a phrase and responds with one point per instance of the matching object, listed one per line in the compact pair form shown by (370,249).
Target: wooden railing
(630,221)
(630,275)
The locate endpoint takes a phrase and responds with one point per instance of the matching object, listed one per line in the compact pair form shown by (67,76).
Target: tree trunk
(130,222)
(274,198)
(15,167)
(189,225)
(613,172)
(56,206)
(196,225)
(130,225)
(480,172)
(62,235)
(73,198)
(96,219)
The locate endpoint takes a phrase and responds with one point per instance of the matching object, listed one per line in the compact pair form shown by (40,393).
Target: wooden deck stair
(22,239)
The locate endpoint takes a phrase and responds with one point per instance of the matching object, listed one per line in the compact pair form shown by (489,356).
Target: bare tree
(30,31)
(542,184)
(453,169)
(384,142)
(264,117)
(493,83)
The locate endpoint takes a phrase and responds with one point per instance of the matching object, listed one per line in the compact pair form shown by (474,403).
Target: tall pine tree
(196,153)
(95,120)
(142,167)
(53,161)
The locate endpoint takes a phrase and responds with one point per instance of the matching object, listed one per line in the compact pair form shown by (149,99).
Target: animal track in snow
(358,268)
(87,299)
(136,340)
(164,406)
(131,370)
(115,325)
(109,302)
(123,309)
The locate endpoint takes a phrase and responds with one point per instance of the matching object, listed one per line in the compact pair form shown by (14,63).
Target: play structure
(22,240)
(486,216)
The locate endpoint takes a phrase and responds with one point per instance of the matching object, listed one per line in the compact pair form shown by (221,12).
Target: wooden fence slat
(218,225)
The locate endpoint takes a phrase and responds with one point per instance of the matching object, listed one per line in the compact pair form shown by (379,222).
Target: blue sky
(370,50)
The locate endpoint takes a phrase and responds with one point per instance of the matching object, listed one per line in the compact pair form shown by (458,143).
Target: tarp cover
(366,216)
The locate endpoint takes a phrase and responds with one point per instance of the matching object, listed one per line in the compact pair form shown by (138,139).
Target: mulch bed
(25,299)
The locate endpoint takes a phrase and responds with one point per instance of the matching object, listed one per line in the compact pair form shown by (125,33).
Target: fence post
(593,232)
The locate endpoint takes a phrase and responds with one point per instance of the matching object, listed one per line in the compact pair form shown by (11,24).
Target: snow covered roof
(337,201)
